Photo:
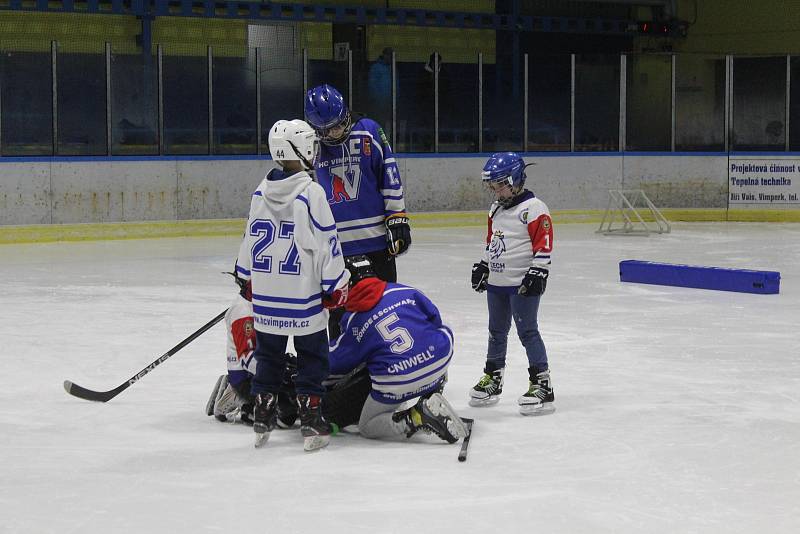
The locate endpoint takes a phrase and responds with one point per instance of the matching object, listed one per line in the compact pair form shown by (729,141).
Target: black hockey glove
(247,291)
(480,276)
(535,282)
(398,234)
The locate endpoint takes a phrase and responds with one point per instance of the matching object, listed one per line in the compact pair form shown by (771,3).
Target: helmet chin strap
(307,165)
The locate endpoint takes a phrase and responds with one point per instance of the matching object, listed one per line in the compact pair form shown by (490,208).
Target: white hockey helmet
(293,140)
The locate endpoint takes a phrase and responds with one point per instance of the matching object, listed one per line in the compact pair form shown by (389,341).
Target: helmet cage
(507,169)
(360,267)
(346,124)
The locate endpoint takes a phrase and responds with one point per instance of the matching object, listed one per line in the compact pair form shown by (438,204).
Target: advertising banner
(771,182)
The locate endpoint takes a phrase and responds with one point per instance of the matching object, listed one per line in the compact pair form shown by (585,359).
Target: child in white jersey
(291,255)
(514,272)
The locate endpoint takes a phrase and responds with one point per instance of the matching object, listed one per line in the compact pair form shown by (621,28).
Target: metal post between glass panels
(350,79)
(572,103)
(436,101)
(788,101)
(210,103)
(673,99)
(525,107)
(1,115)
(480,102)
(728,102)
(394,99)
(54,71)
(108,99)
(160,74)
(623,100)
(305,73)
(258,101)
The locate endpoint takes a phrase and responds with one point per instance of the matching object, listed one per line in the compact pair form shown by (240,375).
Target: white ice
(677,409)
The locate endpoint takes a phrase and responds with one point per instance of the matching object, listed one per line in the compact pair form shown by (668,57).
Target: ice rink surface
(677,409)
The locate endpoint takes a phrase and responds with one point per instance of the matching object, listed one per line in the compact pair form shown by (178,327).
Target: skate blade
(261,439)
(489,401)
(439,406)
(537,409)
(313,443)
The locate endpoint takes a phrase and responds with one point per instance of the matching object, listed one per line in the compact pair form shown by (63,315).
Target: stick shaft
(105,396)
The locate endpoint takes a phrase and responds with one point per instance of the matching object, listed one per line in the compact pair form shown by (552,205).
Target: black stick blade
(462,454)
(87,394)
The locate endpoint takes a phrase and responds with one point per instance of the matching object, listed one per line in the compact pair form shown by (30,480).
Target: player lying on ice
(394,334)
(374,367)
(231,399)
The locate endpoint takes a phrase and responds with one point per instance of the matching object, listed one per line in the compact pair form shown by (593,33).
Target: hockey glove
(247,291)
(534,283)
(335,299)
(398,234)
(480,276)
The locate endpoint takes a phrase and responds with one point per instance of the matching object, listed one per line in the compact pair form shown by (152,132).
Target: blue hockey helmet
(504,168)
(326,110)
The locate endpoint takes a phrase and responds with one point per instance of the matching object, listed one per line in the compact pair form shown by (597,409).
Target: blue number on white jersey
(264,229)
(291,263)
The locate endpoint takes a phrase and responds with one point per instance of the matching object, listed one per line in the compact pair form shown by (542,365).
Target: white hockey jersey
(519,237)
(291,253)
(241,341)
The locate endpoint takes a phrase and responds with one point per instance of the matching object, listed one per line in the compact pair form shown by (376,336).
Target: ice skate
(316,430)
(433,414)
(220,384)
(488,389)
(538,400)
(264,417)
(287,402)
(228,404)
(287,410)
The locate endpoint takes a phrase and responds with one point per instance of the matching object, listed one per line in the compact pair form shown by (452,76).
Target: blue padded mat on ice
(718,278)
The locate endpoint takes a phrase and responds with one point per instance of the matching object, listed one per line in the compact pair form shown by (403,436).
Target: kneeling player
(231,399)
(396,332)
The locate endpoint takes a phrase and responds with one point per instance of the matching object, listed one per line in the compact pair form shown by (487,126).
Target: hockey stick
(462,454)
(105,396)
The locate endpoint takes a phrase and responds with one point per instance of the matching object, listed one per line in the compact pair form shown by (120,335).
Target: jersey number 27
(264,230)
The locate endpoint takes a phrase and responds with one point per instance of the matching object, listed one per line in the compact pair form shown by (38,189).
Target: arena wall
(98,190)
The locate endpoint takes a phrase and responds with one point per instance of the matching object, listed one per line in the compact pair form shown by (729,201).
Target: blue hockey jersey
(362,183)
(402,341)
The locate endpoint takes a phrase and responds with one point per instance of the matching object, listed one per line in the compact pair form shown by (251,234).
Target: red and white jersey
(519,237)
(241,340)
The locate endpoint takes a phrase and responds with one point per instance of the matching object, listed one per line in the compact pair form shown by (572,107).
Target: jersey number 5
(264,229)
(399,337)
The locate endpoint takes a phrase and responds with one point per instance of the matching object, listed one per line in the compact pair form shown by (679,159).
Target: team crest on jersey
(523,217)
(366,149)
(344,183)
(497,245)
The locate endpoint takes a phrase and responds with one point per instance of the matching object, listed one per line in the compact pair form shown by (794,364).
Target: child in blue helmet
(514,272)
(358,171)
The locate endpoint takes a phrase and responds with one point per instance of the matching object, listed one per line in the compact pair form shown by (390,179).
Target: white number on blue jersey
(399,337)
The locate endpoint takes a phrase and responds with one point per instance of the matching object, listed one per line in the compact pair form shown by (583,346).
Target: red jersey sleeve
(244,336)
(540,231)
